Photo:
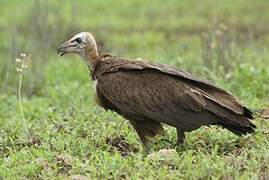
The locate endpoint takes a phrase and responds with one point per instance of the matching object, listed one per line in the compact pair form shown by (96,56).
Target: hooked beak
(65,48)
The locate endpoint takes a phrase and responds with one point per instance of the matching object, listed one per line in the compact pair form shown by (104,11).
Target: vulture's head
(82,44)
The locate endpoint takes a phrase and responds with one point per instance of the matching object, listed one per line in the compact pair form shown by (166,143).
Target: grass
(68,134)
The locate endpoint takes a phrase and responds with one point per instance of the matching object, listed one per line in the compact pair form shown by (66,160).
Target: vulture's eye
(78,40)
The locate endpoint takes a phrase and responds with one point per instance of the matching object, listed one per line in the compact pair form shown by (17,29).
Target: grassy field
(66,135)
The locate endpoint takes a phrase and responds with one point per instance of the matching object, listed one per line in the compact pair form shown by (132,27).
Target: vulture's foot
(180,136)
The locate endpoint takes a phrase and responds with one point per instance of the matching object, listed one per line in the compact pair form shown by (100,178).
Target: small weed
(21,63)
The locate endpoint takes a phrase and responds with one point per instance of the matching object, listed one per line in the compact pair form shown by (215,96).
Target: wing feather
(156,96)
(218,95)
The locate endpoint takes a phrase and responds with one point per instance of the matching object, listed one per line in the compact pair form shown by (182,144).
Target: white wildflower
(19,70)
(23,55)
(18,60)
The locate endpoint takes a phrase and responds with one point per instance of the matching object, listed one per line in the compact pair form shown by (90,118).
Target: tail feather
(240,130)
(248,113)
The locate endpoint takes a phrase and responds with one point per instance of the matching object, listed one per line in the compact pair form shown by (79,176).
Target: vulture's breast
(94,85)
(96,98)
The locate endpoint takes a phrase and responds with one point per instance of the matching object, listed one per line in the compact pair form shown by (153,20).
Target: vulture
(151,94)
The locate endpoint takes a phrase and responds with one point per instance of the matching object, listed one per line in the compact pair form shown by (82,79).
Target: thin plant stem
(20,102)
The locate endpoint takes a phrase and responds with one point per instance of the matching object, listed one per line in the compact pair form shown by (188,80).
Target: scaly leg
(180,136)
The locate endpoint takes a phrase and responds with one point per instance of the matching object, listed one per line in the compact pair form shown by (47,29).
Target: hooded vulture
(150,94)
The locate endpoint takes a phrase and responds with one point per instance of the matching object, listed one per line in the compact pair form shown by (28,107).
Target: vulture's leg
(145,128)
(180,136)
(140,133)
(142,137)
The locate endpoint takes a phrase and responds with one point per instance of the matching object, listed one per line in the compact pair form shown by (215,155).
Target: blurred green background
(224,41)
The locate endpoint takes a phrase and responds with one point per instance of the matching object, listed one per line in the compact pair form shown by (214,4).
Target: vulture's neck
(91,58)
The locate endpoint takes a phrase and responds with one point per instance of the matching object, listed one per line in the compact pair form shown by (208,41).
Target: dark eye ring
(78,40)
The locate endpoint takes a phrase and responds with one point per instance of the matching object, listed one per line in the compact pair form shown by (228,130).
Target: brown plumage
(151,94)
